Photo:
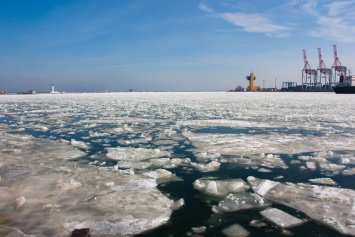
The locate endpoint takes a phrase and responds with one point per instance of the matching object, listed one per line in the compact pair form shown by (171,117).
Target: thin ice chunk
(134,154)
(350,171)
(79,144)
(330,206)
(241,201)
(326,181)
(281,218)
(263,187)
(235,230)
(212,166)
(220,187)
(311,165)
(60,194)
(158,174)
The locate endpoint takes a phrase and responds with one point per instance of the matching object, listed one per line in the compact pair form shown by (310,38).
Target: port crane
(309,75)
(337,68)
(324,72)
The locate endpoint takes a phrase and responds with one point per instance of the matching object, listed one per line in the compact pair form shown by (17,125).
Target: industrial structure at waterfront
(321,79)
(251,78)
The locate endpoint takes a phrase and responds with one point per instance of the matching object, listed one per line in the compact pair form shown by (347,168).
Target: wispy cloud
(310,7)
(251,22)
(340,8)
(204,7)
(337,23)
(255,23)
(334,28)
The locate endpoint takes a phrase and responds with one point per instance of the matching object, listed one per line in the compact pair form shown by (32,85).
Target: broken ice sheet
(241,201)
(281,218)
(61,197)
(211,166)
(220,188)
(158,174)
(134,154)
(169,163)
(235,230)
(327,181)
(203,156)
(246,144)
(330,206)
(349,171)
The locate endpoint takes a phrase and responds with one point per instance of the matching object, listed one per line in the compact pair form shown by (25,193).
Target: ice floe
(281,218)
(51,193)
(134,154)
(199,230)
(135,139)
(329,206)
(235,230)
(79,144)
(241,201)
(246,144)
(211,166)
(158,174)
(327,181)
(220,187)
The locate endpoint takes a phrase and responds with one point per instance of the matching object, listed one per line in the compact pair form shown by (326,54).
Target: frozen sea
(178,164)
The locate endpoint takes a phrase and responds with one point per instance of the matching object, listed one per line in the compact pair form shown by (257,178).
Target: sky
(175,45)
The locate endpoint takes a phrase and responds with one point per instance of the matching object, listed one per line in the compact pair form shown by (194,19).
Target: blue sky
(160,45)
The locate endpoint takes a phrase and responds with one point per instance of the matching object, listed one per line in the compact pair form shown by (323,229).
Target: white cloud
(310,7)
(337,23)
(255,23)
(204,7)
(278,34)
(339,8)
(334,29)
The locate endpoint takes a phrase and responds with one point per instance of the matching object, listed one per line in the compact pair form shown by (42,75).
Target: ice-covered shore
(43,193)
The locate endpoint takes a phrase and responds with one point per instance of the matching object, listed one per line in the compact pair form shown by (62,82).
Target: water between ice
(159,164)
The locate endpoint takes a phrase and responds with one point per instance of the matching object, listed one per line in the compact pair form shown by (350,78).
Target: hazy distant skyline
(157,45)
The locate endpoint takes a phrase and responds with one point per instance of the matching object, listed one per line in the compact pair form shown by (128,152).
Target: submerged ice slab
(330,206)
(281,218)
(220,187)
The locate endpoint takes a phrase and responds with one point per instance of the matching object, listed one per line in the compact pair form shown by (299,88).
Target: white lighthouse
(53,91)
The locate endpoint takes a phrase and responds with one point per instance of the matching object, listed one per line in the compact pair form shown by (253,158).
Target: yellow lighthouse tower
(251,80)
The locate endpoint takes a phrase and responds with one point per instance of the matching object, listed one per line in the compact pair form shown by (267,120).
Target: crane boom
(335,55)
(320,57)
(305,58)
